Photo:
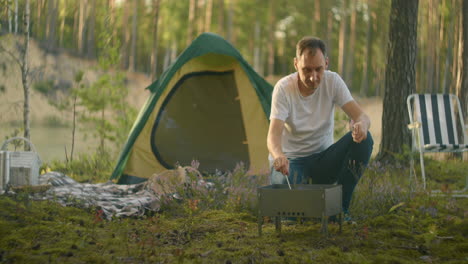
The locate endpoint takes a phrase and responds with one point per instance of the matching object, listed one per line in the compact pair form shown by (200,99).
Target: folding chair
(433,124)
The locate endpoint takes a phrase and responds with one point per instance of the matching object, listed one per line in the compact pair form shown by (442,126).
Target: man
(300,136)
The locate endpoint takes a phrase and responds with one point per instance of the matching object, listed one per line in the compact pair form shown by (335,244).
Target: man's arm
(360,121)
(275,131)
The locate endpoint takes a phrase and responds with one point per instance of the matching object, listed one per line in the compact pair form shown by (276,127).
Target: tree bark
(10,19)
(208,15)
(349,69)
(81,25)
(221,18)
(16,17)
(230,32)
(126,35)
(90,47)
(76,15)
(154,52)
(329,34)
(367,55)
(24,77)
(257,44)
(439,36)
(62,22)
(132,59)
(199,16)
(399,77)
(51,24)
(112,20)
(316,23)
(38,25)
(463,92)
(341,43)
(191,20)
(449,56)
(459,69)
(271,38)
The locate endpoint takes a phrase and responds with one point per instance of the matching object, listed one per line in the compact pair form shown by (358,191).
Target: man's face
(310,66)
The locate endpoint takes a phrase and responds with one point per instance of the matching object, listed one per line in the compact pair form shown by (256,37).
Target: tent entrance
(201,119)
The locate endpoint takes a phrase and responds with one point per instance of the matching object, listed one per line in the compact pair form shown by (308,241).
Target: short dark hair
(312,44)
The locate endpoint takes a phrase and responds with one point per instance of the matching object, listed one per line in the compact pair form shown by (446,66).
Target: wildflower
(99,215)
(193,204)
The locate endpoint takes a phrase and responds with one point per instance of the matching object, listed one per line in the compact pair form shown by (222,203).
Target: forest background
(137,40)
(87,64)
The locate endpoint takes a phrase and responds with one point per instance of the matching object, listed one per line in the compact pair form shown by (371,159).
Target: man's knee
(369,141)
(362,150)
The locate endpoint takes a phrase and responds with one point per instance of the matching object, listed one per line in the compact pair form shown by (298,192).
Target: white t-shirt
(309,121)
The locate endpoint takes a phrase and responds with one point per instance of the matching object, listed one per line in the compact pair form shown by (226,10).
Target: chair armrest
(414,125)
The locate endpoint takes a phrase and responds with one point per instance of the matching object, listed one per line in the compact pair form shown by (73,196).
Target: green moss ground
(391,226)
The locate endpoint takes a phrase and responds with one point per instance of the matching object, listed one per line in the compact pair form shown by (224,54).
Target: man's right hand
(281,164)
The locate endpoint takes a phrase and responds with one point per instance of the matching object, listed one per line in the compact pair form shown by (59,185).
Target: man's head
(311,61)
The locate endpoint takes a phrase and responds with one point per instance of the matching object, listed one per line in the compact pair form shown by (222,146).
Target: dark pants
(342,163)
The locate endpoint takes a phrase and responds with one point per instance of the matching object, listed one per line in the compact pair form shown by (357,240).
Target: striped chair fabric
(438,123)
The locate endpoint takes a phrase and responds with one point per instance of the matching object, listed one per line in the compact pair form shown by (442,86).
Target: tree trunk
(439,36)
(112,23)
(459,63)
(257,44)
(230,26)
(62,23)
(132,59)
(199,15)
(81,25)
(51,24)
(349,67)
(316,23)
(399,77)
(329,34)
(90,47)
(24,77)
(341,43)
(76,16)
(367,56)
(16,17)
(208,15)
(10,19)
(271,38)
(154,52)
(37,25)
(221,18)
(463,92)
(191,20)
(449,56)
(127,35)
(431,48)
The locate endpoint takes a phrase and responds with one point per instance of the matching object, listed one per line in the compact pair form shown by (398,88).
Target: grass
(393,224)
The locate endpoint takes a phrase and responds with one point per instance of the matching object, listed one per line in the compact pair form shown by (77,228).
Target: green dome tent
(210,106)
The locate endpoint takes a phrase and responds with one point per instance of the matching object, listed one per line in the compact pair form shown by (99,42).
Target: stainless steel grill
(301,201)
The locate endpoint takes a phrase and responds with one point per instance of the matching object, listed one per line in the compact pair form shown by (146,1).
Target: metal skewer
(287,179)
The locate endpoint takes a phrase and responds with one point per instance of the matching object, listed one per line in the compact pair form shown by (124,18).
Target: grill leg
(260,223)
(340,219)
(278,224)
(324,228)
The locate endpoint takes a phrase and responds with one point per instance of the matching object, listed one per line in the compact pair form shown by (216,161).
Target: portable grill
(301,201)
